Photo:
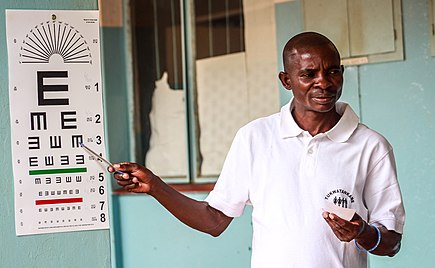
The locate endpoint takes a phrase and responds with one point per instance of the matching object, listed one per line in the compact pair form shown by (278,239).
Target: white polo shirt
(287,176)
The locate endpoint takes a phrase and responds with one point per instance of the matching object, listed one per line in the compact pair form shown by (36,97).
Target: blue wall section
(75,249)
(115,92)
(398,100)
(116,111)
(154,238)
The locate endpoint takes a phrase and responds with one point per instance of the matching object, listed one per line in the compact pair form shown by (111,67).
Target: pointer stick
(98,156)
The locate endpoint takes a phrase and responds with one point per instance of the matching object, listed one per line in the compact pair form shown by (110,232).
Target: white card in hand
(344,213)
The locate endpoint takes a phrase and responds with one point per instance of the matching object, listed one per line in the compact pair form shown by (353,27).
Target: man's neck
(315,122)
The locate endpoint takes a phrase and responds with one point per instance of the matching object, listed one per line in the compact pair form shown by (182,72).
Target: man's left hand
(345,230)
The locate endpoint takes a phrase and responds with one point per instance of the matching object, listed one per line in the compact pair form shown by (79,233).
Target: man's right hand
(133,177)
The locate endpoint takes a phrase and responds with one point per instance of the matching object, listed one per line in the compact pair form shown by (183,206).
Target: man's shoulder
(263,123)
(365,134)
(261,126)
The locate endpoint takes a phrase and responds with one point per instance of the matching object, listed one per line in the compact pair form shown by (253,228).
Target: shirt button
(310,151)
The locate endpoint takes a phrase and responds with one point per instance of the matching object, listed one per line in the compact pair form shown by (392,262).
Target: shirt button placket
(311,158)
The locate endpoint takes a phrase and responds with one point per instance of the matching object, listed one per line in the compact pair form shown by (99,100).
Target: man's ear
(285,80)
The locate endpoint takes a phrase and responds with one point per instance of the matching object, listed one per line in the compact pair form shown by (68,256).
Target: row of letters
(50,160)
(58,180)
(59,192)
(60,208)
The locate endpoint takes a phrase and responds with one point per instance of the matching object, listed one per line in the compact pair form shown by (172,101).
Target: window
(161,121)
(219,28)
(195,64)
(364,31)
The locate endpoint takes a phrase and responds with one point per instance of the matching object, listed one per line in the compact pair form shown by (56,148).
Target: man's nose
(323,81)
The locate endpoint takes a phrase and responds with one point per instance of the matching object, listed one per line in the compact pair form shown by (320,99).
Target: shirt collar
(341,132)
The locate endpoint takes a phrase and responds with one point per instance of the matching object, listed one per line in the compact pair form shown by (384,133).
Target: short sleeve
(383,196)
(231,192)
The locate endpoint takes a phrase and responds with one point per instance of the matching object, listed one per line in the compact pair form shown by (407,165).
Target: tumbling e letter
(42,88)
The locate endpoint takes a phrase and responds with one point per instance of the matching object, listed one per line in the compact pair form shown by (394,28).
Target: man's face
(315,76)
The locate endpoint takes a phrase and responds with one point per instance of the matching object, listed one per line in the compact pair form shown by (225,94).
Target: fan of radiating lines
(51,38)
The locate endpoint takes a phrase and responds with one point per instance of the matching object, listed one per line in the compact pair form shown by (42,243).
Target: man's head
(312,71)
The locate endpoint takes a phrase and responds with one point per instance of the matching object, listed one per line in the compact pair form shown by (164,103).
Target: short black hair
(305,39)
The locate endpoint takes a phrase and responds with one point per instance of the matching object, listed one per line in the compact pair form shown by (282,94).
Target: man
(289,165)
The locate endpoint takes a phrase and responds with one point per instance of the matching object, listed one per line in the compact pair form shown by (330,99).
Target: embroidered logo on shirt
(340,197)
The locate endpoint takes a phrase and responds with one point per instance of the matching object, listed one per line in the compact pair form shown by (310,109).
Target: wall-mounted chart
(55,101)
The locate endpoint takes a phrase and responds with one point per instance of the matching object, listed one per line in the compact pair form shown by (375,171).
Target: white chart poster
(55,105)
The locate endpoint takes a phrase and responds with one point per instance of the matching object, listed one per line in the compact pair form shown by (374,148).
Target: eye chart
(55,105)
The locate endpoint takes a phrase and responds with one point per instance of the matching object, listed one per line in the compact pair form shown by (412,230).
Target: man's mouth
(324,99)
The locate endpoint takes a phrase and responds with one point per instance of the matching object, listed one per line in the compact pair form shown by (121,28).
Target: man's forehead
(306,53)
(306,46)
(312,48)
(307,39)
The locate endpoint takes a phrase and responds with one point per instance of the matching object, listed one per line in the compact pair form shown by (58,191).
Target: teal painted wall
(117,122)
(397,99)
(152,237)
(74,249)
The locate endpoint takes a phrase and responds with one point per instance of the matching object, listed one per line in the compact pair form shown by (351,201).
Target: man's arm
(364,234)
(196,214)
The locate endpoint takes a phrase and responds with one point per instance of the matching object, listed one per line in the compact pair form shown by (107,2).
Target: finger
(131,187)
(342,223)
(137,188)
(338,232)
(333,219)
(345,233)
(342,229)
(329,218)
(336,225)
(125,183)
(126,166)
(122,176)
(326,217)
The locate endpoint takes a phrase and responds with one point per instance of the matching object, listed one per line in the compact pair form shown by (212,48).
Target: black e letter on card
(68,120)
(64,160)
(49,160)
(40,118)
(42,88)
(55,142)
(33,161)
(76,140)
(33,143)
(80,159)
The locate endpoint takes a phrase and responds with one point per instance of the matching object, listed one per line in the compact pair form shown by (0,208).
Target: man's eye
(307,75)
(335,71)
